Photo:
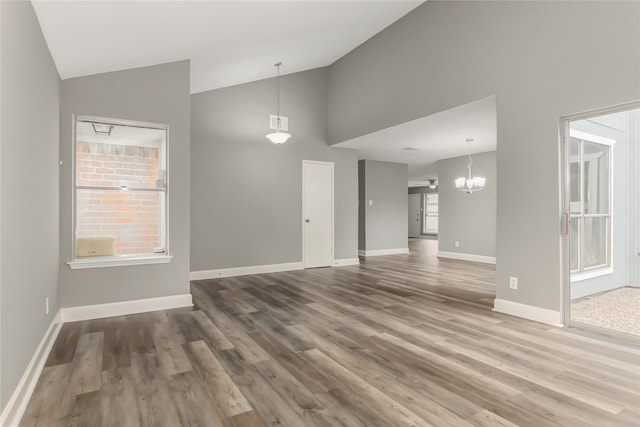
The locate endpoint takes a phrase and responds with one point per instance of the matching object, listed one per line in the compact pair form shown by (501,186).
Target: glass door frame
(565,208)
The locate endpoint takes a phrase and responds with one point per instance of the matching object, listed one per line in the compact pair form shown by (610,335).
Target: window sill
(591,274)
(118,261)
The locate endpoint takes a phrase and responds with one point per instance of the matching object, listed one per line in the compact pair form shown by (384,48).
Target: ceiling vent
(411,149)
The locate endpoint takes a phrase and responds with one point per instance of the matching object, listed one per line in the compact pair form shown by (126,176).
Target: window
(120,193)
(591,165)
(430,209)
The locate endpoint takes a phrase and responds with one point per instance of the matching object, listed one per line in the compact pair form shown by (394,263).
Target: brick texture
(132,217)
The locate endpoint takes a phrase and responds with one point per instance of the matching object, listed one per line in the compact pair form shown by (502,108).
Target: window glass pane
(596,178)
(575,174)
(117,165)
(595,241)
(131,218)
(431,214)
(575,243)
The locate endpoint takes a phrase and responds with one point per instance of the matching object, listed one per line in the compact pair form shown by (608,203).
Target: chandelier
(470,185)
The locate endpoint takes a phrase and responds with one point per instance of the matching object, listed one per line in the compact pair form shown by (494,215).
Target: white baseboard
(346,261)
(467,257)
(378,252)
(538,314)
(17,404)
(86,312)
(243,271)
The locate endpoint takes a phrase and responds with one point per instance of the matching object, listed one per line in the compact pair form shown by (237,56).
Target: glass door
(430,223)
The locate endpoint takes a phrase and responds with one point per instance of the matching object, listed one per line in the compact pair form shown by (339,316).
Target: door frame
(565,208)
(303,218)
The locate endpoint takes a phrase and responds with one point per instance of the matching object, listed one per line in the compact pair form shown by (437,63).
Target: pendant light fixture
(278,137)
(470,185)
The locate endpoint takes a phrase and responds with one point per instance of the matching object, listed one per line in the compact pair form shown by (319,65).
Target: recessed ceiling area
(422,142)
(228,42)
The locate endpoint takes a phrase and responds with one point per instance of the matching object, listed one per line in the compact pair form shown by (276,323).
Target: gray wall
(533,57)
(385,222)
(29,197)
(247,192)
(158,94)
(622,239)
(468,218)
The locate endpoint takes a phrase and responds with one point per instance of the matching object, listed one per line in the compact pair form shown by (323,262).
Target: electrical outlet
(513,282)
(46,305)
(456,244)
(370,202)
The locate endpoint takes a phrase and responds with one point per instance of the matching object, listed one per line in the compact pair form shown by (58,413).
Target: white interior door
(317,188)
(414,215)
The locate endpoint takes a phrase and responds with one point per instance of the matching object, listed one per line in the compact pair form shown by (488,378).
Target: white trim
(467,257)
(243,271)
(378,252)
(118,261)
(346,261)
(17,404)
(98,311)
(590,274)
(590,137)
(537,314)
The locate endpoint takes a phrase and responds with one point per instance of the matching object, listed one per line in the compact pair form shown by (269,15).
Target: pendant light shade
(279,136)
(470,185)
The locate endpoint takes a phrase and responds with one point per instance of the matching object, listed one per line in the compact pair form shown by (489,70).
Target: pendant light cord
(278,88)
(470,159)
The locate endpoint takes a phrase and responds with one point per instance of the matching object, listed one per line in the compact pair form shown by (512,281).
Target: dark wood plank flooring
(404,340)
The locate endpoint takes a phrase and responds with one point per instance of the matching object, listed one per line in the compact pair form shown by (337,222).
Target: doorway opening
(602,220)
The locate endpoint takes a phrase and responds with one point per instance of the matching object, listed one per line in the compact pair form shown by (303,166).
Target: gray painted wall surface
(517,51)
(622,239)
(158,94)
(29,195)
(385,183)
(247,192)
(468,218)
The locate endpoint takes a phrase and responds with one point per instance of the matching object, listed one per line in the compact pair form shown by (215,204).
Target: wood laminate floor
(403,340)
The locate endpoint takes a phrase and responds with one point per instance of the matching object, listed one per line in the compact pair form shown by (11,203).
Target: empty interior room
(346,213)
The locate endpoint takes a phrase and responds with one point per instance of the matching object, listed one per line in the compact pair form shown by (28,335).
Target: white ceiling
(439,136)
(228,42)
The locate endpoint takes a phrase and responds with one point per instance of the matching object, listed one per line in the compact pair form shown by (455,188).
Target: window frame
(583,273)
(118,260)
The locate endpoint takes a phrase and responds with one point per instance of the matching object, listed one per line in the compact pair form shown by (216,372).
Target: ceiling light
(469,185)
(432,183)
(278,137)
